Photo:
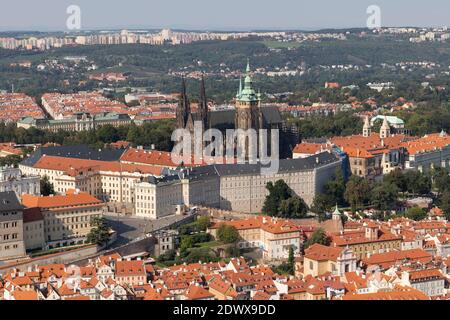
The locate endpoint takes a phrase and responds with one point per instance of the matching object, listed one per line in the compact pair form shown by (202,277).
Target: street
(133,228)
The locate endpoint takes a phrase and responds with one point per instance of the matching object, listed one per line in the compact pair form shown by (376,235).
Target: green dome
(248,93)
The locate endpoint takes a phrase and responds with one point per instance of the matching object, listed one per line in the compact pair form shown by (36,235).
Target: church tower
(385,130)
(248,108)
(183,109)
(203,106)
(367,129)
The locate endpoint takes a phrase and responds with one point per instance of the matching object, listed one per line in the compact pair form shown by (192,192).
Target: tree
(319,236)
(335,188)
(418,183)
(384,196)
(46,187)
(107,134)
(187,242)
(441,180)
(416,213)
(321,205)
(277,192)
(227,234)
(100,231)
(357,192)
(232,251)
(282,202)
(203,223)
(293,208)
(445,204)
(291,258)
(168,256)
(398,178)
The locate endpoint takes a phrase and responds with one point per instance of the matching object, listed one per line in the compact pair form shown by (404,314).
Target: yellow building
(371,239)
(320,259)
(67,218)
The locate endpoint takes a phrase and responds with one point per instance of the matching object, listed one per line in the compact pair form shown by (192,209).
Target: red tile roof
(58,201)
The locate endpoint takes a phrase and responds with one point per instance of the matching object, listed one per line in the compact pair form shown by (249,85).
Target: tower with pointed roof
(203,105)
(183,108)
(248,106)
(385,130)
(367,128)
(337,216)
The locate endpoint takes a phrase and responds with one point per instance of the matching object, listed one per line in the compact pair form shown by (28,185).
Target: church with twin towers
(249,113)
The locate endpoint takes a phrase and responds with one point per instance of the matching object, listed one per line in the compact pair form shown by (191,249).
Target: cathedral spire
(203,104)
(183,109)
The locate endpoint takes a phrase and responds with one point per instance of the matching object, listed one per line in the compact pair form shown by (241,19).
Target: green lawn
(210,244)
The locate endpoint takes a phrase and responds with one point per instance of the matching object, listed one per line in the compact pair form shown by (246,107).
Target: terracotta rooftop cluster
(15,106)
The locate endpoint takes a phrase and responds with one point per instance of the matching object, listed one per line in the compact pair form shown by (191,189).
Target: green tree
(335,188)
(444,203)
(107,134)
(441,180)
(418,183)
(100,231)
(384,196)
(277,192)
(203,223)
(291,259)
(321,205)
(232,251)
(187,242)
(46,187)
(357,192)
(319,236)
(294,208)
(416,213)
(398,178)
(227,234)
(168,256)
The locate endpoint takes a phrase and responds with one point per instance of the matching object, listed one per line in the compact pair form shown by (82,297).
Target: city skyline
(230,16)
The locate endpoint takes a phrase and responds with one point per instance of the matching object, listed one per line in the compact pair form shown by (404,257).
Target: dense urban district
(93,207)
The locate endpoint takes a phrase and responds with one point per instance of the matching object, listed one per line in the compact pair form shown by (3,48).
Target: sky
(50,15)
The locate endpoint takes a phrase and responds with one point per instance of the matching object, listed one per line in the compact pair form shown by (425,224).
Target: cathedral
(249,113)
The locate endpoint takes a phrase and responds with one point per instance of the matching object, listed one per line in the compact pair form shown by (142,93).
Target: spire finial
(248,65)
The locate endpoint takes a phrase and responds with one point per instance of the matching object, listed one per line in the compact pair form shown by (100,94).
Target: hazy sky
(220,14)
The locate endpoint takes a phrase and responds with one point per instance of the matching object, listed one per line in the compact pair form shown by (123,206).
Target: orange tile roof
(419,275)
(320,252)
(393,295)
(130,268)
(74,167)
(311,148)
(357,237)
(427,143)
(58,201)
(272,225)
(25,295)
(388,259)
(196,292)
(359,146)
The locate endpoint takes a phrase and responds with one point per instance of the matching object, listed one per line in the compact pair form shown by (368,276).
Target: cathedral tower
(248,109)
(183,109)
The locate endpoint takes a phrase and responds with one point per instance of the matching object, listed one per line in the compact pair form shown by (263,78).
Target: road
(132,228)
